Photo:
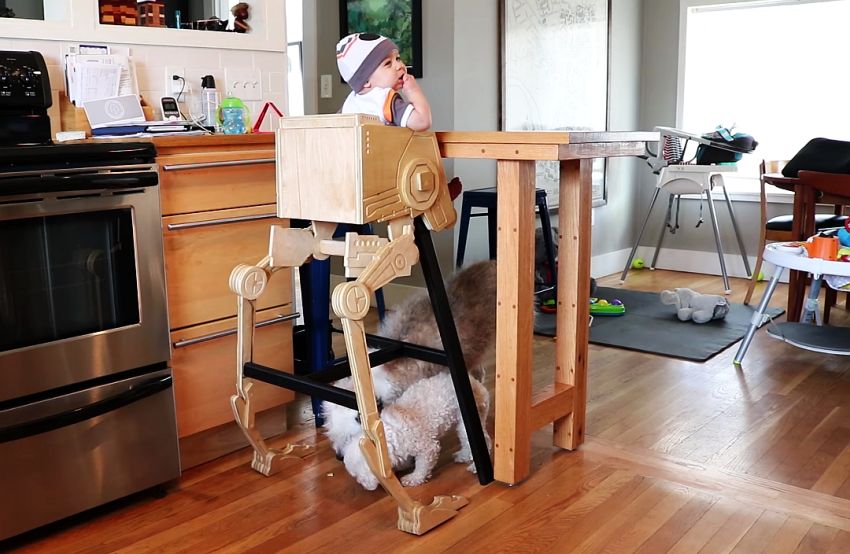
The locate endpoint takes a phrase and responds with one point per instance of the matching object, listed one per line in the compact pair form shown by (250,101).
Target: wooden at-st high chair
(336,169)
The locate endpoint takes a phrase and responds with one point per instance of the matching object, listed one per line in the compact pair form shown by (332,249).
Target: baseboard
(213,443)
(691,261)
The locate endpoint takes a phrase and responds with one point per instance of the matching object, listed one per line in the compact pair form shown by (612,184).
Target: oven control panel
(24,80)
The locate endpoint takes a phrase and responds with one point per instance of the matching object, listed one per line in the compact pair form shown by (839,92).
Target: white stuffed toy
(692,305)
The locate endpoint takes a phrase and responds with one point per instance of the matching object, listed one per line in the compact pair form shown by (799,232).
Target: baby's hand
(409,84)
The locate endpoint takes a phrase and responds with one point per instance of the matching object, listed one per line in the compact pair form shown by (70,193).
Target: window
(773,69)
(295,75)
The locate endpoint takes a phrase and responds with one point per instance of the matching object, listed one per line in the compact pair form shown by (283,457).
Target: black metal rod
(299,383)
(451,344)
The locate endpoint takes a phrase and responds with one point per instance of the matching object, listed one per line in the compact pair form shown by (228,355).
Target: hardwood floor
(680,457)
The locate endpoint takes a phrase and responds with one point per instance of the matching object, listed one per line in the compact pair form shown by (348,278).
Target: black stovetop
(59,156)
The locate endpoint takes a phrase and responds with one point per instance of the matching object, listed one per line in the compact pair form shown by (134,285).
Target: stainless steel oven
(86,404)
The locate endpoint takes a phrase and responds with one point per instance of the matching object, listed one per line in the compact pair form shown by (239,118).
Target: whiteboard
(555,75)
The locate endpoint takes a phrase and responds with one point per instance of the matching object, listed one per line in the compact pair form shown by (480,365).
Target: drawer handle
(222,221)
(204,165)
(227,332)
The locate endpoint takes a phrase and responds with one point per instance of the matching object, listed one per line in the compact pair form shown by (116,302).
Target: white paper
(98,80)
(83,71)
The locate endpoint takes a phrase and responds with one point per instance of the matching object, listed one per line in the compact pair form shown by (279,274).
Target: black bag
(820,154)
(740,142)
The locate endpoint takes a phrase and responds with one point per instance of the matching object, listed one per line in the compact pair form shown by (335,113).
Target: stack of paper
(97,76)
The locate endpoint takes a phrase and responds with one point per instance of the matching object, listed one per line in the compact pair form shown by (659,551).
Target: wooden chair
(778,228)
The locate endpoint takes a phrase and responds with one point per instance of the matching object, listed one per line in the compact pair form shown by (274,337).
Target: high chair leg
(717,241)
(663,232)
(640,235)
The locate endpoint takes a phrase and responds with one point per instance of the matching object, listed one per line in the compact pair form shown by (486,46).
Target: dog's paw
(413,480)
(471,468)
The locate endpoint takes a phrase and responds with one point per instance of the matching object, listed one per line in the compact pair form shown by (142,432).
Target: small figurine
(240,12)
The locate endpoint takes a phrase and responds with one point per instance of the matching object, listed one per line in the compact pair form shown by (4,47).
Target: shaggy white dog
(472,297)
(413,426)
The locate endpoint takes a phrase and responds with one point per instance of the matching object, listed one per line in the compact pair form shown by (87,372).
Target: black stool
(486,198)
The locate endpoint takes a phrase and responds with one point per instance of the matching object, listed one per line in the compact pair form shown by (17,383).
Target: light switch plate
(326,87)
(246,84)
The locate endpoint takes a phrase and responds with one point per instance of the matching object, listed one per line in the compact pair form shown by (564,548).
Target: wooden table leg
(573,290)
(802,227)
(514,320)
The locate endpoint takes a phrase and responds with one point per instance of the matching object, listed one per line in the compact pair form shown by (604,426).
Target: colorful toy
(844,234)
(600,306)
(638,263)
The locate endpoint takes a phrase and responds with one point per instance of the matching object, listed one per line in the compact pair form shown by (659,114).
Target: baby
(381,86)
(371,65)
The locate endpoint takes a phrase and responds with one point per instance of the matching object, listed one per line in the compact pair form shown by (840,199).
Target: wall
(153,50)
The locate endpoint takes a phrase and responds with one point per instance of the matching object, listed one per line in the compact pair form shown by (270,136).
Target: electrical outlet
(246,84)
(326,87)
(173,86)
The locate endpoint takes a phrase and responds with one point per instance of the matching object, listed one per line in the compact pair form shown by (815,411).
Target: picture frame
(398,20)
(555,75)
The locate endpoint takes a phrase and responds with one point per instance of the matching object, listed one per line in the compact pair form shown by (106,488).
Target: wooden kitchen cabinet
(218,203)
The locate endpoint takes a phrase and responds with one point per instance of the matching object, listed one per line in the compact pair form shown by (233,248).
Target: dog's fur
(472,297)
(413,426)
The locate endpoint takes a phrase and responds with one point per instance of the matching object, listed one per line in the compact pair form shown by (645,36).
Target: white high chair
(688,179)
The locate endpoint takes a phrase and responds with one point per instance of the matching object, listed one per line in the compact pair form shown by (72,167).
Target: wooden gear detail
(348,169)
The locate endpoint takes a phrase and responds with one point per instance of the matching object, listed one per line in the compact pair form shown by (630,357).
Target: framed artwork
(398,20)
(555,75)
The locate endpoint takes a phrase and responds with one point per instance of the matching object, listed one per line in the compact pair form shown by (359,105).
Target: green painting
(398,20)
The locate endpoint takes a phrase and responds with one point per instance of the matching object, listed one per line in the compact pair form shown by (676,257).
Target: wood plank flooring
(680,457)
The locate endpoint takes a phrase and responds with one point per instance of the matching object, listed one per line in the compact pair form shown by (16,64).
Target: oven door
(82,286)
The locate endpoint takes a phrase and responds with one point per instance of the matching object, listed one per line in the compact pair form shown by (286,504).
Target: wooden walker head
(353,169)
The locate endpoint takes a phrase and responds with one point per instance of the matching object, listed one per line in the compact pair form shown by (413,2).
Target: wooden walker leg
(351,303)
(249,282)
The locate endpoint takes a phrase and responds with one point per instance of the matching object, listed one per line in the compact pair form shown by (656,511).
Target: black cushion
(822,221)
(820,154)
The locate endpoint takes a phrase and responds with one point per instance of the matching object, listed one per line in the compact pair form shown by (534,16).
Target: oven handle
(204,165)
(227,332)
(80,182)
(222,221)
(83,413)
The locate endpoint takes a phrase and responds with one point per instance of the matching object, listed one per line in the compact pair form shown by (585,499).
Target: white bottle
(209,102)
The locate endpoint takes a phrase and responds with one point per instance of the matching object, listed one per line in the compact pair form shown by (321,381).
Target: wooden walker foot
(267,461)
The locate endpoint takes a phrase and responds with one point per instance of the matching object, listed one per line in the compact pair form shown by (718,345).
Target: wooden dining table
(519,411)
(826,188)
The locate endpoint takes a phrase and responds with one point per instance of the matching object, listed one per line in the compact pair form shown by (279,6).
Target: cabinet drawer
(215,181)
(204,364)
(201,250)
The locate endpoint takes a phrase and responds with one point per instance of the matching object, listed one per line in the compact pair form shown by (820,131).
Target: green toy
(638,263)
(599,306)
